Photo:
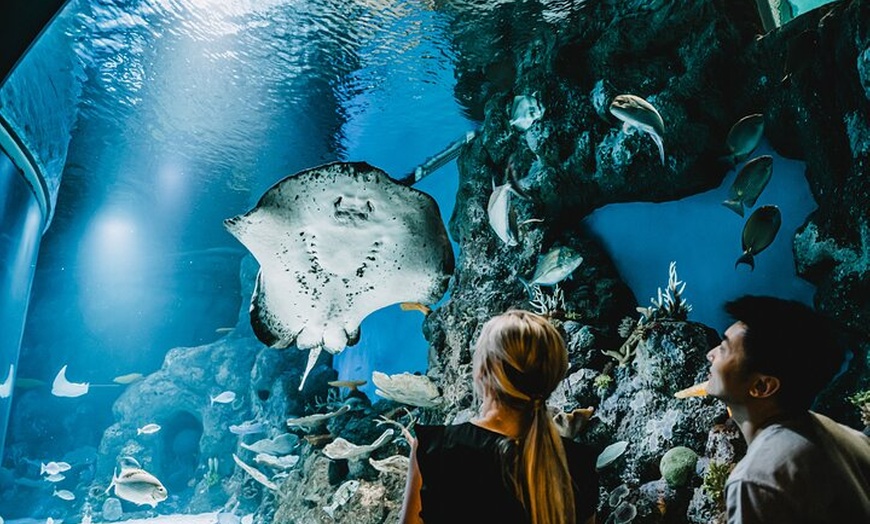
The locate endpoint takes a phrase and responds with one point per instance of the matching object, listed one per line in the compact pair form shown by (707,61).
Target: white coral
(407,388)
(343,449)
(316,420)
(397,464)
(669,304)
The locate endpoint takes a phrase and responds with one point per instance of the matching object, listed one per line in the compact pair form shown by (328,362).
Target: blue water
(199,124)
(704,238)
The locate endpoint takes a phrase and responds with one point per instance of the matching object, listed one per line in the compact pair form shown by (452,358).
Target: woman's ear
(764,386)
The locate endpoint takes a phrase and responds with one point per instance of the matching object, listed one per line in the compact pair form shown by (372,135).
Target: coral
(669,305)
(624,513)
(602,384)
(862,401)
(610,454)
(618,493)
(211,477)
(627,350)
(678,465)
(660,431)
(407,388)
(814,250)
(714,480)
(551,306)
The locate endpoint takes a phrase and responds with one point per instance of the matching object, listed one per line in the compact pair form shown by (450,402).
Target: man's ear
(764,386)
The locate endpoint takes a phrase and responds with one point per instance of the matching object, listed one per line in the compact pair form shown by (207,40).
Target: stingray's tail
(439,160)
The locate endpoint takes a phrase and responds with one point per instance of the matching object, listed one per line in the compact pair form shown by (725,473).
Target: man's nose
(710,355)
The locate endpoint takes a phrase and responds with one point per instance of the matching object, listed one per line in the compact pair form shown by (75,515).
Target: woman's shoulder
(464,433)
(580,453)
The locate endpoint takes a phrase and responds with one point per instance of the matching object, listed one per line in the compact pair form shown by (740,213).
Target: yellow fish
(129,378)
(698,390)
(415,306)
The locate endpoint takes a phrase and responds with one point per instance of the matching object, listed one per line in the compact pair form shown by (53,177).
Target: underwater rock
(642,409)
(112,510)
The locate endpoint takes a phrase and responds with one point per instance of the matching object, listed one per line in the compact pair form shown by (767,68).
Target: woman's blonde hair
(519,359)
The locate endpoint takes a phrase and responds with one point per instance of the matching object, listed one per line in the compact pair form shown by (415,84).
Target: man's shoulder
(776,454)
(841,432)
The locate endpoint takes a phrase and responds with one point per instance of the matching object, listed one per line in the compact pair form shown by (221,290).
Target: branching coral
(668,305)
(405,430)
(551,305)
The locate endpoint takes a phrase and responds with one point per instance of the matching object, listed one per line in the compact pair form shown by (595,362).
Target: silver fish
(502,217)
(750,182)
(526,110)
(556,266)
(53,467)
(758,233)
(636,112)
(223,398)
(64,494)
(55,477)
(743,137)
(148,429)
(138,486)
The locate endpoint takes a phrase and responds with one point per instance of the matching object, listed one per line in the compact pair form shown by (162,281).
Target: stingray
(6,385)
(61,387)
(335,243)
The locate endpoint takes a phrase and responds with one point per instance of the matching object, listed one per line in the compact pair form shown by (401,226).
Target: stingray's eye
(337,202)
(370,206)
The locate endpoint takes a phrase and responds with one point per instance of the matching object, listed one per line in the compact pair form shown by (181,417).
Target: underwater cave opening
(179,457)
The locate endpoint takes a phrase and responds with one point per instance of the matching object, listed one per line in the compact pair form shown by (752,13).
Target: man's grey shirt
(809,469)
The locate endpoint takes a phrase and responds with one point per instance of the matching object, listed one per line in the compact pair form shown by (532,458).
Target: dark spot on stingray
(263,394)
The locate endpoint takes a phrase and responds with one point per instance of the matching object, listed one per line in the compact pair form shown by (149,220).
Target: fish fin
(527,286)
(257,314)
(728,160)
(751,202)
(112,483)
(513,229)
(661,145)
(748,259)
(531,221)
(734,205)
(511,175)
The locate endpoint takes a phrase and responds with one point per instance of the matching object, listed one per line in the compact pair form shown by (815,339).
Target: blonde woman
(509,463)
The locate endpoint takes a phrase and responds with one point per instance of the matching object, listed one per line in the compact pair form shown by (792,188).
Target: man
(800,466)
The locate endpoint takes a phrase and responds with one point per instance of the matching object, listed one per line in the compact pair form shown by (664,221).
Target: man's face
(729,381)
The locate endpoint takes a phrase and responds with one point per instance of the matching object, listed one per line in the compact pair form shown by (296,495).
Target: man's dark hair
(791,341)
